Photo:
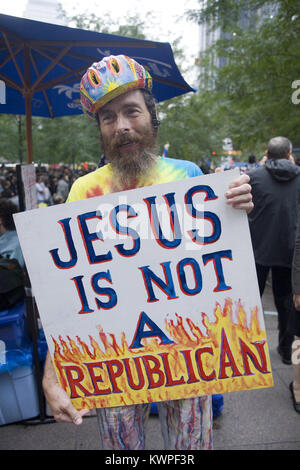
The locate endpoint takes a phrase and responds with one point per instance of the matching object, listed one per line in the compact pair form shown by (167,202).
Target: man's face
(127,135)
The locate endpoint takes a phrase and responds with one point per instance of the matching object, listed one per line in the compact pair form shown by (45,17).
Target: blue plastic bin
(12,326)
(18,389)
(15,345)
(18,395)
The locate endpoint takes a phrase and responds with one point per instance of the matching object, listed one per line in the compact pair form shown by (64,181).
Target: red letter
(198,354)
(114,374)
(189,366)
(225,350)
(246,352)
(170,381)
(96,378)
(75,382)
(138,367)
(150,371)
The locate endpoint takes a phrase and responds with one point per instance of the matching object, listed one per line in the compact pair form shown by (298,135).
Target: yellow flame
(229,355)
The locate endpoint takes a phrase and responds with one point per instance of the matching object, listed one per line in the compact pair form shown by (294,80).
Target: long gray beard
(127,171)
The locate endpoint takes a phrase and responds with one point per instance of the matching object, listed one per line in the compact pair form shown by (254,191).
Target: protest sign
(26,179)
(149,294)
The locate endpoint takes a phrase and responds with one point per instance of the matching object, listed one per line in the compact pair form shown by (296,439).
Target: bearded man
(117,93)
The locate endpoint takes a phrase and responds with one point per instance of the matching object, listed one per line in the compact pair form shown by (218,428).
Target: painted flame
(186,338)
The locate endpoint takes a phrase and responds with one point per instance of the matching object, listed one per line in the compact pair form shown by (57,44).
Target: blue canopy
(42,64)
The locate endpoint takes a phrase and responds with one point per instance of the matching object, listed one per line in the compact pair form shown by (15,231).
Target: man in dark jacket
(273,222)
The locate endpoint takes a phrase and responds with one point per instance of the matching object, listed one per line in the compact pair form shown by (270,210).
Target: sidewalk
(261,419)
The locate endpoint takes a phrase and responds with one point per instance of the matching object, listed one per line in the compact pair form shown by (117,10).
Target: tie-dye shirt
(100,181)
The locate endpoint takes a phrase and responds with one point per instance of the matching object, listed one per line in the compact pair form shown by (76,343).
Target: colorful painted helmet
(109,78)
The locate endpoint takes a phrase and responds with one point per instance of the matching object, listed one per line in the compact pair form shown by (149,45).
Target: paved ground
(252,420)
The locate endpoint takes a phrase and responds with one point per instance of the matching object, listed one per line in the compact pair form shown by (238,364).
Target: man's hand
(239,194)
(58,400)
(296,298)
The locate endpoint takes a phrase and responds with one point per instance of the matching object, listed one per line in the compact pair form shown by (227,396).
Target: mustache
(125,139)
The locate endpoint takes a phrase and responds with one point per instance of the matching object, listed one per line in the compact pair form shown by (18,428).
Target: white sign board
(29,181)
(148,294)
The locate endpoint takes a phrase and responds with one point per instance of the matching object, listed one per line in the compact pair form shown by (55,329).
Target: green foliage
(12,142)
(189,123)
(247,99)
(192,127)
(254,87)
(69,139)
(134,26)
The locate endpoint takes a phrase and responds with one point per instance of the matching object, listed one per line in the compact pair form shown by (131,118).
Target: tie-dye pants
(185,425)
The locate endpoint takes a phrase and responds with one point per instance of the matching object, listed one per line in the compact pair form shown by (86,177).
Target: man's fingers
(240,190)
(73,415)
(242,179)
(239,194)
(296,298)
(77,418)
(247,206)
(69,415)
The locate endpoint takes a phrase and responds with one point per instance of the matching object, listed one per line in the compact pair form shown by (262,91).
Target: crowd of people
(53,182)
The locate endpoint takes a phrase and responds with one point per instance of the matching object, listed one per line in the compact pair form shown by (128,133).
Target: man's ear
(2,230)
(290,157)
(155,120)
(154,117)
(155,123)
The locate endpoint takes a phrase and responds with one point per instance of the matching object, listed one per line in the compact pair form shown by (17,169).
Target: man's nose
(122,124)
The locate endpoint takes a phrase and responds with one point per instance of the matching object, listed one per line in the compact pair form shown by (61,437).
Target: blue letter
(89,237)
(104,290)
(213,218)
(81,292)
(216,258)
(65,224)
(155,224)
(167,287)
(182,278)
(155,331)
(127,230)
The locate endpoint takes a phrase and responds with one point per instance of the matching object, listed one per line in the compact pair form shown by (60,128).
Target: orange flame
(229,355)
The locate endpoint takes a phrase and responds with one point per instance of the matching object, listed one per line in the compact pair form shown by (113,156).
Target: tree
(67,139)
(193,127)
(186,121)
(12,142)
(254,87)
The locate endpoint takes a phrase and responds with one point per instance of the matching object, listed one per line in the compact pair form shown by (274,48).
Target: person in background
(273,222)
(252,163)
(8,191)
(42,191)
(62,188)
(294,324)
(9,241)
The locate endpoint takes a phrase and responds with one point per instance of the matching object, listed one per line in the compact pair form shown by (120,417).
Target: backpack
(12,283)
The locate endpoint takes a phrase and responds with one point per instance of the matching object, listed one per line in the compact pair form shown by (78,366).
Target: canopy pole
(28,127)
(28,93)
